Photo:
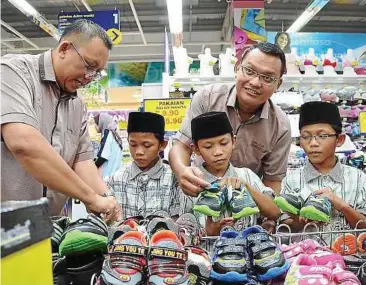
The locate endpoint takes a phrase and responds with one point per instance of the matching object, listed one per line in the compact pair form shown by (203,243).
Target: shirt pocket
(70,147)
(254,156)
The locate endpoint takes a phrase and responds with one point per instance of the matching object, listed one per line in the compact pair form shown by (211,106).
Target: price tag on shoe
(230,193)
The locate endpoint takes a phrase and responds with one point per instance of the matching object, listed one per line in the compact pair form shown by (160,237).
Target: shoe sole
(285,206)
(229,277)
(275,272)
(312,213)
(77,242)
(245,212)
(204,209)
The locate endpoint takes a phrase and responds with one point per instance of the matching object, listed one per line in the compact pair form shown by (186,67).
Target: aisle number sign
(173,111)
(109,20)
(362,120)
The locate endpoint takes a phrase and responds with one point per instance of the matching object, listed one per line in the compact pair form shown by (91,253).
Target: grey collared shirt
(31,95)
(346,182)
(262,143)
(145,192)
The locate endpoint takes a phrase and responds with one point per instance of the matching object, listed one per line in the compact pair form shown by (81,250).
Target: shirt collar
(310,173)
(262,113)
(47,73)
(154,172)
(210,178)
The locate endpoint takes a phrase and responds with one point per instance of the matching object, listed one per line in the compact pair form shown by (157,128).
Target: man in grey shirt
(263,134)
(44,128)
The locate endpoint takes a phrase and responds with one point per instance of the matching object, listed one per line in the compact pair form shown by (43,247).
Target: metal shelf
(287,79)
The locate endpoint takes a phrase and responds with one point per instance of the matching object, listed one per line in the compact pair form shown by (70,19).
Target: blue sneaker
(267,260)
(317,208)
(242,204)
(211,201)
(230,261)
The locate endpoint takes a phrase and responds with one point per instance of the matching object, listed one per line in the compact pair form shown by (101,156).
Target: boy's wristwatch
(108,193)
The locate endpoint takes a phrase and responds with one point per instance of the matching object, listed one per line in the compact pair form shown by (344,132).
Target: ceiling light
(175,16)
(307,15)
(24,7)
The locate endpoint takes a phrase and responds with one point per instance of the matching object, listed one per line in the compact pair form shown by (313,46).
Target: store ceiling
(202,23)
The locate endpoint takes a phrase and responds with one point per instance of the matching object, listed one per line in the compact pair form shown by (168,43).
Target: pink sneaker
(311,246)
(340,276)
(292,251)
(327,258)
(305,271)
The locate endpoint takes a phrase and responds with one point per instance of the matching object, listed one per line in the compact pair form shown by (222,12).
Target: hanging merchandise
(349,61)
(227,63)
(207,62)
(182,62)
(292,62)
(311,61)
(329,63)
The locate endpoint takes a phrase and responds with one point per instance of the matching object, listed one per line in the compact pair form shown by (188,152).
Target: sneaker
(361,242)
(317,208)
(305,271)
(120,228)
(167,259)
(188,229)
(126,261)
(59,225)
(58,262)
(345,244)
(242,204)
(290,202)
(361,274)
(341,276)
(266,257)
(198,266)
(230,262)
(211,201)
(159,223)
(83,236)
(328,258)
(81,269)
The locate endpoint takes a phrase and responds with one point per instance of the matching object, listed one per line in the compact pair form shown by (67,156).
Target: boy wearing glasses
(324,190)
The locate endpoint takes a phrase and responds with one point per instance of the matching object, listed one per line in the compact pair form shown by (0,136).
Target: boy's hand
(337,202)
(214,228)
(234,182)
(305,221)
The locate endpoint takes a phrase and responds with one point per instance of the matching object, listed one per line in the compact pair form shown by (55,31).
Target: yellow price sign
(173,111)
(115,35)
(362,120)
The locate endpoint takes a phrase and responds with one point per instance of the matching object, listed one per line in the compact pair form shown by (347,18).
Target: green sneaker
(317,208)
(242,204)
(290,202)
(83,236)
(211,201)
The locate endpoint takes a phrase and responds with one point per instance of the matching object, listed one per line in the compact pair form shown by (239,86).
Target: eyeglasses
(318,138)
(90,72)
(265,79)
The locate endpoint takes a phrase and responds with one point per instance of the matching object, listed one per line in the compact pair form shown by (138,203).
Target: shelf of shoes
(292,79)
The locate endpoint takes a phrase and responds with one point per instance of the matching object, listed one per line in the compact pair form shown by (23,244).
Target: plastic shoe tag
(229,193)
(128,249)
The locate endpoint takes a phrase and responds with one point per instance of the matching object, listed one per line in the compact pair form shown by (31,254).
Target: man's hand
(191,181)
(214,228)
(337,202)
(107,207)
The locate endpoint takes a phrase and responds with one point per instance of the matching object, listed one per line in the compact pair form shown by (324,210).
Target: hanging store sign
(107,19)
(173,111)
(362,120)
